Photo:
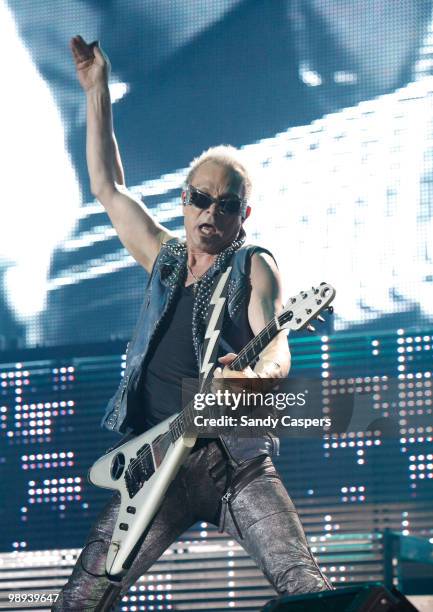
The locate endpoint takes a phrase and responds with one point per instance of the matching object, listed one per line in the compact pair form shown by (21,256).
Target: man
(166,348)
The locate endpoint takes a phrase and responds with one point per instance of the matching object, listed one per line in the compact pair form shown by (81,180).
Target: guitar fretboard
(252,350)
(246,356)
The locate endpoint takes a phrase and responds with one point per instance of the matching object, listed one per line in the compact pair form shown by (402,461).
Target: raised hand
(93,66)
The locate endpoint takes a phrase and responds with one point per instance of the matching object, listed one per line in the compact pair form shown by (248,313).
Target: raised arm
(138,231)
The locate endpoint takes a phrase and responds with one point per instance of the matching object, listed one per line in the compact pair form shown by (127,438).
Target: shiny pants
(261,517)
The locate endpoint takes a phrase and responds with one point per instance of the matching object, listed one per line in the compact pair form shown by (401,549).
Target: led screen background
(330,101)
(331,104)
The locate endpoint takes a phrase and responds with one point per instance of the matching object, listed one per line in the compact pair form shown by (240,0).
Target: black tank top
(171,359)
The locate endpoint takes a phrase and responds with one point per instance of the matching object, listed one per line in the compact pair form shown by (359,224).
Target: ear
(247,212)
(183,196)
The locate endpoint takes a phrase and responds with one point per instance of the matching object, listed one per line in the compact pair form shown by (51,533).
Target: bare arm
(265,303)
(138,231)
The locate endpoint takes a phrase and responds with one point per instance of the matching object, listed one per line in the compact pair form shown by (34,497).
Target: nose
(214,209)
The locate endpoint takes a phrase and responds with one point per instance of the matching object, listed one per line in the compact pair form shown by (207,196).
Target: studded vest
(168,274)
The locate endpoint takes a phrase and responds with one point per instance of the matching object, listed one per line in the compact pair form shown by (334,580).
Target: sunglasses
(232,205)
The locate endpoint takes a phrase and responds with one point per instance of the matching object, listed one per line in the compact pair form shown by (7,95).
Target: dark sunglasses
(233,205)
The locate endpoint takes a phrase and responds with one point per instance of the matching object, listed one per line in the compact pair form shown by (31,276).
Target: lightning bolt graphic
(212,331)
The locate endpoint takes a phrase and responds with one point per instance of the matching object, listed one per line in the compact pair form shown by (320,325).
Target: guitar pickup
(139,470)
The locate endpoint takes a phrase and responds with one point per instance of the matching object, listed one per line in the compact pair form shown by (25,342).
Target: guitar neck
(297,314)
(252,350)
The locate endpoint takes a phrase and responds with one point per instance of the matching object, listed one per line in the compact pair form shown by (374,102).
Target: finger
(79,38)
(227,359)
(248,373)
(232,374)
(80,50)
(80,41)
(93,46)
(74,47)
(83,48)
(98,54)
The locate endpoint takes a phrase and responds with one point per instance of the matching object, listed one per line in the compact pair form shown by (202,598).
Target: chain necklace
(177,250)
(197,279)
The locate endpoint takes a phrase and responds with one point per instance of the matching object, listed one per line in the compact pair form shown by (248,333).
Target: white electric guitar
(143,468)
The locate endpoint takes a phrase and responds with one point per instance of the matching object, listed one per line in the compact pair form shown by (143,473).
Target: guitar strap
(214,323)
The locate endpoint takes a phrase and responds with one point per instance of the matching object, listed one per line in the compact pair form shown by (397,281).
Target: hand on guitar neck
(266,370)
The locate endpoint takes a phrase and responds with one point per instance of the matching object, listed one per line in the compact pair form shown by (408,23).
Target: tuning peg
(323,283)
(320,318)
(330,309)
(315,290)
(311,328)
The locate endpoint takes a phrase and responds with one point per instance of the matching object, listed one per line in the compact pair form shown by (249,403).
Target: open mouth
(207,229)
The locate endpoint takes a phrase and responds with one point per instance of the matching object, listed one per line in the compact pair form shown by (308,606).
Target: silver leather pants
(260,516)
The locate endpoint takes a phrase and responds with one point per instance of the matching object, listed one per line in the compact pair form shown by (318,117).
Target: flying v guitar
(142,468)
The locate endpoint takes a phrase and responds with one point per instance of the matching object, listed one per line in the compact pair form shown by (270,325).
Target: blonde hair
(227,156)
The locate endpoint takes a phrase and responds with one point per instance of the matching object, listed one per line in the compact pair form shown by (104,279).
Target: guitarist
(166,348)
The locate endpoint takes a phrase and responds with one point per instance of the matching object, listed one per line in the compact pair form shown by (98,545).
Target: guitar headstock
(306,306)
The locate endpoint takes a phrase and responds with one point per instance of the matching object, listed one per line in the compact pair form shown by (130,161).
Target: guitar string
(144,455)
(242,353)
(282,319)
(134,462)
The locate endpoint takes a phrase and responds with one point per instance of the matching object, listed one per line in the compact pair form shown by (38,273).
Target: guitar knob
(330,309)
(320,318)
(311,328)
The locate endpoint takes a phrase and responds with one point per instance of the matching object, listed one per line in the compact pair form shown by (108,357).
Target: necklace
(197,279)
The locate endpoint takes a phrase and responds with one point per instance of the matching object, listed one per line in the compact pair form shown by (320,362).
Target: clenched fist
(93,66)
